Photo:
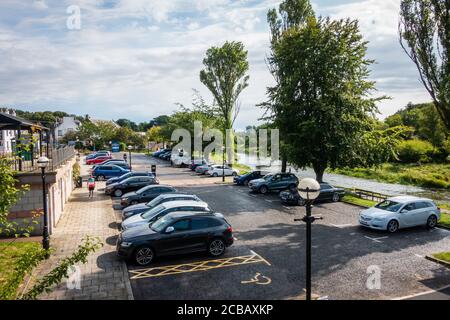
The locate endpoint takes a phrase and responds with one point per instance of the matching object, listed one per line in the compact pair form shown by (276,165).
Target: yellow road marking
(196,266)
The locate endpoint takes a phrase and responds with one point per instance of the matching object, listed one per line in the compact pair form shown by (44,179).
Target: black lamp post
(129,153)
(223,163)
(309,189)
(43,163)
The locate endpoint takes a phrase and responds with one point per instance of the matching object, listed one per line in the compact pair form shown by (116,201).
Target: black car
(176,233)
(145,194)
(130,184)
(327,193)
(166,155)
(129,175)
(142,207)
(246,178)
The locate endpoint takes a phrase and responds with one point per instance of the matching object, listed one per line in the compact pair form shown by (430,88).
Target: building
(7,137)
(66,125)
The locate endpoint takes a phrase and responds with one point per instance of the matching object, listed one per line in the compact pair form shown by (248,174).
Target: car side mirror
(170,229)
(404,211)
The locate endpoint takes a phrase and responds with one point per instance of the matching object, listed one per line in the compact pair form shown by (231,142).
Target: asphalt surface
(267,260)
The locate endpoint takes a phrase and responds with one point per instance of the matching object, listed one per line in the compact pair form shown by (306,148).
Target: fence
(369,195)
(26,161)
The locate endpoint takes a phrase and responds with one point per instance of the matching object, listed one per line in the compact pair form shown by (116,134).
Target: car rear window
(423,205)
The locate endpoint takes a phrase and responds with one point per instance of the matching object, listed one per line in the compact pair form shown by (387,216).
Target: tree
(425,37)
(125,123)
(322,98)
(225,75)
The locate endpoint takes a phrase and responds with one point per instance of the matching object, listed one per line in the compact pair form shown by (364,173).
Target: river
(351,182)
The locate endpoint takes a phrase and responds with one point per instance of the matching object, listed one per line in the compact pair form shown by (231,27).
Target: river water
(350,182)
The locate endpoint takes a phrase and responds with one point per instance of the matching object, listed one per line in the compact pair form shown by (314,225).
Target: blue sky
(136,58)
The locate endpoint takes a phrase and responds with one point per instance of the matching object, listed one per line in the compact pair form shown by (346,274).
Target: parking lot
(268,257)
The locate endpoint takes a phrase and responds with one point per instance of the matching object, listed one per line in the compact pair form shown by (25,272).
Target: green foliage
(55,276)
(425,37)
(320,100)
(16,261)
(445,220)
(76,171)
(411,151)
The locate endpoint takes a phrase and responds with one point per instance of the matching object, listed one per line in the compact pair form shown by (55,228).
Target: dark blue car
(103,172)
(246,178)
(130,175)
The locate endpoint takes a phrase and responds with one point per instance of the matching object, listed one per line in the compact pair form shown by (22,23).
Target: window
(182,225)
(410,207)
(107,168)
(423,205)
(200,223)
(60,133)
(325,186)
(388,205)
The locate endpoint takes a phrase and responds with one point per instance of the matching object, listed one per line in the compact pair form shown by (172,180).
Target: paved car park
(268,257)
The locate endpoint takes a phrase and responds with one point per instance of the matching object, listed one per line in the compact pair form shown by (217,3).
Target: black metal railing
(368,195)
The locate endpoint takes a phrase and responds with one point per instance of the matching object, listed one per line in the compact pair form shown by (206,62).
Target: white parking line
(421,293)
(418,255)
(376,239)
(340,226)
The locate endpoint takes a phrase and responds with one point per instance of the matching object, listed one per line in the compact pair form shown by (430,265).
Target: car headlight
(126,244)
(124,199)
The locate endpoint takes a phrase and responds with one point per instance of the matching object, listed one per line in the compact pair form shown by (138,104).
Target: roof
(182,203)
(10,122)
(402,199)
(177,195)
(180,214)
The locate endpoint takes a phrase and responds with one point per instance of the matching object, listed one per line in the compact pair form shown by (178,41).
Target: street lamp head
(130,147)
(43,162)
(309,189)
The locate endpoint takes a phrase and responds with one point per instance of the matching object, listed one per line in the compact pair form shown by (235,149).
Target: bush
(410,151)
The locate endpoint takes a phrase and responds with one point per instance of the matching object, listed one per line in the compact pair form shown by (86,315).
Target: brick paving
(104,276)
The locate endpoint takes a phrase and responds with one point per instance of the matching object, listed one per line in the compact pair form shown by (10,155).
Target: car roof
(183,203)
(182,214)
(404,199)
(157,186)
(177,195)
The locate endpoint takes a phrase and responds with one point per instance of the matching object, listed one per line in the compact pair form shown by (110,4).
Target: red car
(98,160)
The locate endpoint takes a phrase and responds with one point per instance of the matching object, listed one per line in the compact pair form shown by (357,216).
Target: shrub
(410,151)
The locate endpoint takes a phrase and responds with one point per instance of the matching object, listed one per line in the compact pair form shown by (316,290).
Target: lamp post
(223,163)
(309,189)
(130,147)
(43,163)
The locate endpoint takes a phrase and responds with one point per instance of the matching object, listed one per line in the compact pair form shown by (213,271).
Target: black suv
(176,233)
(145,194)
(129,175)
(131,184)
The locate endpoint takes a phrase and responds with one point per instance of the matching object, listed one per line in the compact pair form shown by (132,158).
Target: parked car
(401,212)
(220,170)
(145,194)
(271,182)
(130,184)
(196,163)
(97,160)
(97,154)
(246,178)
(143,207)
(327,193)
(121,164)
(158,153)
(166,155)
(153,214)
(180,159)
(203,168)
(108,171)
(176,233)
(129,175)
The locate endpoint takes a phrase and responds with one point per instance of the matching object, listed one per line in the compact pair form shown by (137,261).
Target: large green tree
(226,76)
(322,98)
(425,36)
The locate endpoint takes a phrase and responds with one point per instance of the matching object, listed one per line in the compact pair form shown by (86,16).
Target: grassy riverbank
(427,175)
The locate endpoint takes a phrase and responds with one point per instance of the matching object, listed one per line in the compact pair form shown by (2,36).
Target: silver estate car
(401,212)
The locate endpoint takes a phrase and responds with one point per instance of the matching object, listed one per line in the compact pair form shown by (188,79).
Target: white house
(65,125)
(7,136)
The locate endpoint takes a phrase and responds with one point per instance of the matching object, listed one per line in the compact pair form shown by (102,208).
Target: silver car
(401,212)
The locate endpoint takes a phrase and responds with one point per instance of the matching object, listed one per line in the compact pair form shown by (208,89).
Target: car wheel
(118,193)
(301,202)
(144,256)
(263,189)
(234,174)
(216,247)
(336,197)
(101,178)
(215,174)
(431,222)
(392,226)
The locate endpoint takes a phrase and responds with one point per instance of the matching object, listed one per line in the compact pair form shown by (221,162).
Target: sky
(136,59)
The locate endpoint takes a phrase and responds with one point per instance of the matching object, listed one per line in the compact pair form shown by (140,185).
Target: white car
(401,212)
(180,159)
(218,170)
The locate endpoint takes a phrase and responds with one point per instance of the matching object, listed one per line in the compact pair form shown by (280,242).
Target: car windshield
(268,177)
(161,224)
(389,205)
(150,213)
(141,190)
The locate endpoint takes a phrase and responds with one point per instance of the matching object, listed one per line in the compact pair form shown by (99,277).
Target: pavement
(268,257)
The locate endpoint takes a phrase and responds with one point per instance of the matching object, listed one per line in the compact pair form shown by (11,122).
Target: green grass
(444,256)
(358,201)
(426,175)
(9,254)
(445,220)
